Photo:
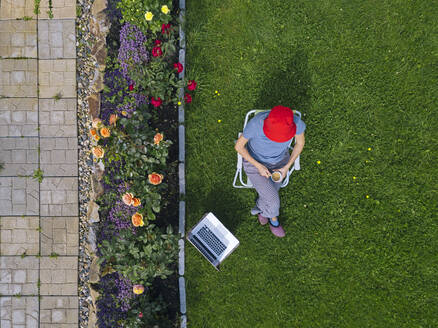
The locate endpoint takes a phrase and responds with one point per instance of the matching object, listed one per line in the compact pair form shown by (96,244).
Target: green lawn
(365,76)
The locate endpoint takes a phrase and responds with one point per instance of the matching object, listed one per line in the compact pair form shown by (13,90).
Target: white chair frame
(238,177)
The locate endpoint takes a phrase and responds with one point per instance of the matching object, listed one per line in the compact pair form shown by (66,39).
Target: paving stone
(56,39)
(59,276)
(12,9)
(59,235)
(57,76)
(59,311)
(58,118)
(61,9)
(18,275)
(19,196)
(18,38)
(61,197)
(19,235)
(59,156)
(19,156)
(18,77)
(19,312)
(18,117)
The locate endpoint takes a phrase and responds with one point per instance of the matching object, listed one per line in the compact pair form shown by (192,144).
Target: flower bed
(135,140)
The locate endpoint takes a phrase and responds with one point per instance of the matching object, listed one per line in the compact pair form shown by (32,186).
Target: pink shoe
(277,231)
(263,220)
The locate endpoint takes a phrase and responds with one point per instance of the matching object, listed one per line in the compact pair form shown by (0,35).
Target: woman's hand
(283,171)
(263,171)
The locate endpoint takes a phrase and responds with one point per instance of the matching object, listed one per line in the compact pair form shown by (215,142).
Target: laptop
(212,239)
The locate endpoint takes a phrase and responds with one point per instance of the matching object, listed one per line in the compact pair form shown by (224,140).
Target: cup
(276,176)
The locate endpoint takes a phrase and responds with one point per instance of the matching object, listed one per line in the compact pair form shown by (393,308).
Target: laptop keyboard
(211,240)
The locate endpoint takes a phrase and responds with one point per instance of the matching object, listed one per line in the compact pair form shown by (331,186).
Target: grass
(364,75)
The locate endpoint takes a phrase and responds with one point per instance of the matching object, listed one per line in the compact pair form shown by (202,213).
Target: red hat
(279,126)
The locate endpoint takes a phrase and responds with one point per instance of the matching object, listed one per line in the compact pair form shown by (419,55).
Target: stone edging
(181,169)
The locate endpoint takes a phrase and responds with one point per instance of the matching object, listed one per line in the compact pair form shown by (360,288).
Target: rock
(96,186)
(97,83)
(94,276)
(94,105)
(98,6)
(93,212)
(92,319)
(99,52)
(94,296)
(92,240)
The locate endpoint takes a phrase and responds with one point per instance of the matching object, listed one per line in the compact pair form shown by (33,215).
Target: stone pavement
(39,228)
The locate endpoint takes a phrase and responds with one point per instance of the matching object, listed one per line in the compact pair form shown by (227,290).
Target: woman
(267,137)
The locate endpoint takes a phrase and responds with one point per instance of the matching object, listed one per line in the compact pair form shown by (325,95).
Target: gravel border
(84,77)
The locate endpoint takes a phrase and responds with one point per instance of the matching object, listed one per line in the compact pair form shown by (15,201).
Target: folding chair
(238,177)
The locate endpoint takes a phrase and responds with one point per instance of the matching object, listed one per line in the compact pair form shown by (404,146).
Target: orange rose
(112,119)
(96,122)
(98,151)
(137,220)
(155,178)
(157,138)
(136,202)
(105,132)
(94,134)
(138,289)
(128,198)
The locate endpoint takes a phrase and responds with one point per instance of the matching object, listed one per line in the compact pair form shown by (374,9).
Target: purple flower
(116,86)
(120,214)
(108,314)
(124,294)
(132,49)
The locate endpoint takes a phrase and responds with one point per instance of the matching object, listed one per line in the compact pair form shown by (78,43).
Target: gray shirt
(260,147)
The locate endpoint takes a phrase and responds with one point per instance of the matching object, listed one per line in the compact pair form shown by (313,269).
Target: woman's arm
(241,149)
(298,148)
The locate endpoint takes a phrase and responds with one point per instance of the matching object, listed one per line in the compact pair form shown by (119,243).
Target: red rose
(131,87)
(165,28)
(157,42)
(188,98)
(156,102)
(178,66)
(156,51)
(140,315)
(191,85)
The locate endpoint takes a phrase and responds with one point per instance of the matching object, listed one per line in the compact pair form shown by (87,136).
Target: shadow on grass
(224,204)
(289,83)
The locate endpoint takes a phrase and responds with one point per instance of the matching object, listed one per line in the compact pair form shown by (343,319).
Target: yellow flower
(148,16)
(367,196)
(318,162)
(215,91)
(179,103)
(165,10)
(354,178)
(219,121)
(124,113)
(138,289)
(369,148)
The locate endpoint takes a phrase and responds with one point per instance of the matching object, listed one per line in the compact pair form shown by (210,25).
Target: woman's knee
(272,199)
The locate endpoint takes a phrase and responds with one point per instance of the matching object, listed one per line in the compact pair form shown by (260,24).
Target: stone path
(38,132)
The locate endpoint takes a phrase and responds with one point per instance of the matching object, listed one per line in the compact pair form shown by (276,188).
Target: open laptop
(212,239)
